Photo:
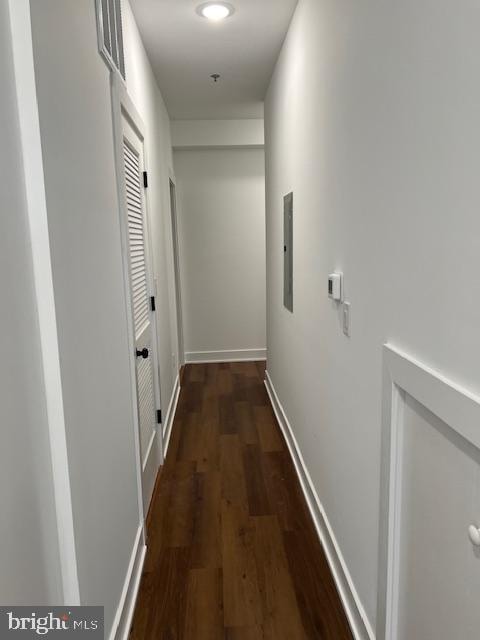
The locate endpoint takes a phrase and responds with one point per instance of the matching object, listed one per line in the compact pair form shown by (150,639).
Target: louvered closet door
(139,286)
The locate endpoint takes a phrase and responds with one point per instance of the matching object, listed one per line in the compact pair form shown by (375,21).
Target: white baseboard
(170,417)
(124,616)
(235,355)
(354,610)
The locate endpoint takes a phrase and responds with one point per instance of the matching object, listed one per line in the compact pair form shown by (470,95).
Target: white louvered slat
(146,401)
(136,238)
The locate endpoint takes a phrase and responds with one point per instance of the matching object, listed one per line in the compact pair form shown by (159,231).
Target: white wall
(217,133)
(372,121)
(77,142)
(221,208)
(29,562)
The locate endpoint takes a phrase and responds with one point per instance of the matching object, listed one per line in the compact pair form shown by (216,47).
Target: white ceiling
(185,49)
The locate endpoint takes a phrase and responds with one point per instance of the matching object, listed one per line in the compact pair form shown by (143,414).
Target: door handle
(142,354)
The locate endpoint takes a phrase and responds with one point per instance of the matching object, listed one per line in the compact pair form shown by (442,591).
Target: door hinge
(152,303)
(145,179)
(159,416)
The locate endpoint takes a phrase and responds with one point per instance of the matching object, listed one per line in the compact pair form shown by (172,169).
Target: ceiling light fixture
(215,11)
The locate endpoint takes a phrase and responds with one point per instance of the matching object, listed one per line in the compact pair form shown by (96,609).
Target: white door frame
(122,106)
(176,269)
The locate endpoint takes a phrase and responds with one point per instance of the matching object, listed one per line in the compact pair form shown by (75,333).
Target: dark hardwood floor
(232,550)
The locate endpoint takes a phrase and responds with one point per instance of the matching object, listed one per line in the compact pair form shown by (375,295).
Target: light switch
(335,286)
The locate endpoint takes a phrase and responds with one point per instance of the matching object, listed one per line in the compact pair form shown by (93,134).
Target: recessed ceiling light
(215,10)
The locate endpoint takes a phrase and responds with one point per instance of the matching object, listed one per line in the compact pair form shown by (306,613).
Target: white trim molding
(457,407)
(170,417)
(20,24)
(354,610)
(235,355)
(124,615)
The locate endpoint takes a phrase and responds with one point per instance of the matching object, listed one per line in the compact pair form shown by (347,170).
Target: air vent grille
(110,34)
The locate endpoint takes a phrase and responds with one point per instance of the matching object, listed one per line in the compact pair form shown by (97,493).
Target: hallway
(288,191)
(232,550)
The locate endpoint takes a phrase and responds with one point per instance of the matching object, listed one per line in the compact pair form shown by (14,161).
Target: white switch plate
(335,286)
(346,318)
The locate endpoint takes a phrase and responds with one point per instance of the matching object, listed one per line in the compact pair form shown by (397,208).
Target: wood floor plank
(210,389)
(244,633)
(163,614)
(258,502)
(176,493)
(240,387)
(250,370)
(261,368)
(315,589)
(299,517)
(209,452)
(224,381)
(211,373)
(197,373)
(175,437)
(241,593)
(204,605)
(206,541)
(179,519)
(246,423)
(238,368)
(190,444)
(143,620)
(280,493)
(193,396)
(267,428)
(227,417)
(232,550)
(234,488)
(282,618)
(257,394)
